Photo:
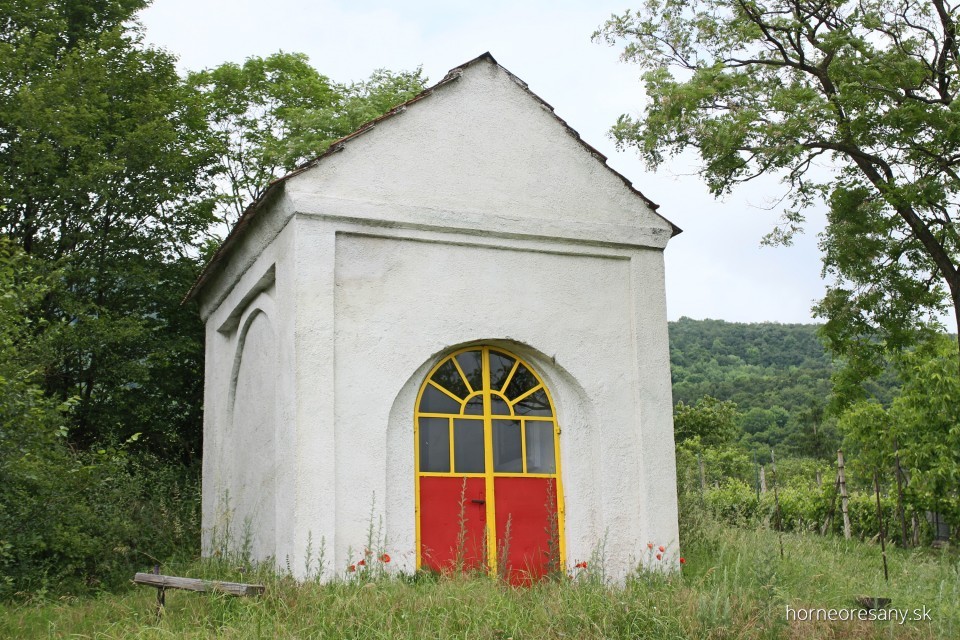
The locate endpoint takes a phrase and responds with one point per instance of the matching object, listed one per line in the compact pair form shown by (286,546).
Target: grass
(734,585)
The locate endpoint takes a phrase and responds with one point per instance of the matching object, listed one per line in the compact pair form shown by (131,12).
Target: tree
(851,102)
(920,429)
(272,114)
(104,162)
(710,422)
(868,437)
(926,425)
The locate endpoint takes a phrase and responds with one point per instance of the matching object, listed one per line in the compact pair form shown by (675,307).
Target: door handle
(477,501)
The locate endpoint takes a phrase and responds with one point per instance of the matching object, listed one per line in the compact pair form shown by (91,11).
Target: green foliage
(803,508)
(104,155)
(70,522)
(727,462)
(734,502)
(30,423)
(922,426)
(272,114)
(777,375)
(710,422)
(103,149)
(852,104)
(868,439)
(79,523)
(926,419)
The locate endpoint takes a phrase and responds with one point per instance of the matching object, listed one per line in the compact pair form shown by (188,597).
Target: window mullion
(452,447)
(488,464)
(523,444)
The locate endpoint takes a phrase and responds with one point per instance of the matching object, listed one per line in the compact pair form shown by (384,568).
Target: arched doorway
(488,487)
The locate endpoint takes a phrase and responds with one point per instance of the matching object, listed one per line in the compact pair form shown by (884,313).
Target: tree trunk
(956,315)
(844,501)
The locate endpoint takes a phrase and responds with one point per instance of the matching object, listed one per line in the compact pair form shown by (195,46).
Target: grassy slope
(734,585)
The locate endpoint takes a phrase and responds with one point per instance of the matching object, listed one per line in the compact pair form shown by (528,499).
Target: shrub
(733,501)
(75,523)
(71,522)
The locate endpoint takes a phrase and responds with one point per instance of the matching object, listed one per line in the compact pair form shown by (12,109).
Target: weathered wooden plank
(196,584)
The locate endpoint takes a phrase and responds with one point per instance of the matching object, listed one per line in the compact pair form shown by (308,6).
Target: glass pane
(436,401)
(500,367)
(498,407)
(449,378)
(540,458)
(468,453)
(472,364)
(474,406)
(507,451)
(535,404)
(521,382)
(435,444)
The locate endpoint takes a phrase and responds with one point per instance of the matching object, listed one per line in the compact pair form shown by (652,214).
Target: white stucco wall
(402,300)
(473,217)
(247,385)
(249,477)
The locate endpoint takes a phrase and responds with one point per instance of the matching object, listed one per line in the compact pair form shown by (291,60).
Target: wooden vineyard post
(703,474)
(762,492)
(756,471)
(901,511)
(883,545)
(776,501)
(844,498)
(833,508)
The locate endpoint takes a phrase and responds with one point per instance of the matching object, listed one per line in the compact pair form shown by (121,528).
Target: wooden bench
(161,583)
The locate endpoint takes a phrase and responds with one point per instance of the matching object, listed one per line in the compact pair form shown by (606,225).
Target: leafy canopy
(105,161)
(709,422)
(852,103)
(271,114)
(926,423)
(922,427)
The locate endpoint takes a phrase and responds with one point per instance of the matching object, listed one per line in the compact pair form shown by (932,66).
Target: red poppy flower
(362,563)
(581,565)
(683,561)
(662,548)
(385,558)
(659,557)
(352,568)
(649,545)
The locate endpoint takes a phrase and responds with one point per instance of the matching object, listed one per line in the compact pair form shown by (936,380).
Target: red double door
(488,484)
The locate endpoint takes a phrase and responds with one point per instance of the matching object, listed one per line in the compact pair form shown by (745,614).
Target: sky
(715,269)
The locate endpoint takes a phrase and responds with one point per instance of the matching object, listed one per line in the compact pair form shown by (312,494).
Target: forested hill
(777,374)
(762,344)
